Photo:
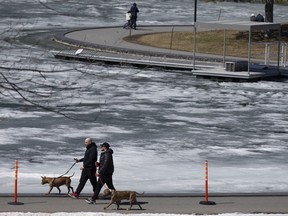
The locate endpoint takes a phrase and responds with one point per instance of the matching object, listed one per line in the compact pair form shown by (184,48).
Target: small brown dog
(57,182)
(117,196)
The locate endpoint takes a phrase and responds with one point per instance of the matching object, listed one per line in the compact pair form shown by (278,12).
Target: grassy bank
(209,42)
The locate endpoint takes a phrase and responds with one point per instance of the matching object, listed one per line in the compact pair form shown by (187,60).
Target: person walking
(89,167)
(134,11)
(105,172)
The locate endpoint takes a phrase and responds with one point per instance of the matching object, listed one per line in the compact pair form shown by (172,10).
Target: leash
(103,183)
(69,169)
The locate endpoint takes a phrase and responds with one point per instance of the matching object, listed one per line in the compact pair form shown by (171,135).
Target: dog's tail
(72,175)
(139,193)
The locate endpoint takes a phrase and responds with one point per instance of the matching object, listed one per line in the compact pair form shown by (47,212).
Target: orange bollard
(206,181)
(206,202)
(15,185)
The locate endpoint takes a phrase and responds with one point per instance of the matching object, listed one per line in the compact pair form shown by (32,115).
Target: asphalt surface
(114,38)
(178,204)
(150,204)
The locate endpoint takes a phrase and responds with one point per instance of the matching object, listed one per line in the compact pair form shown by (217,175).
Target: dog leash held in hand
(103,183)
(69,169)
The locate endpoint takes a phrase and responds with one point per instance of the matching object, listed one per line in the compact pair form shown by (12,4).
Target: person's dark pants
(133,22)
(87,173)
(102,179)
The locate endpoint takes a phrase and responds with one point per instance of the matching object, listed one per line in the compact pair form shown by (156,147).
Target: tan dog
(117,196)
(57,182)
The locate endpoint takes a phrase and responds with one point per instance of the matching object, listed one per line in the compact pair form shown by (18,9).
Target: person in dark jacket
(89,167)
(259,18)
(134,11)
(105,171)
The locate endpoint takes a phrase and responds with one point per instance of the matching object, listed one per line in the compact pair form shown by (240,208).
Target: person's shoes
(90,201)
(73,195)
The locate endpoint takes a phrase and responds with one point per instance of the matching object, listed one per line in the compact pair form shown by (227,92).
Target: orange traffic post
(15,185)
(206,202)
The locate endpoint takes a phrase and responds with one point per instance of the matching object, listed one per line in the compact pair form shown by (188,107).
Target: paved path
(152,204)
(112,38)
